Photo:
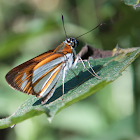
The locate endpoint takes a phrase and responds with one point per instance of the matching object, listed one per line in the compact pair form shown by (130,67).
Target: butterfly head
(71,42)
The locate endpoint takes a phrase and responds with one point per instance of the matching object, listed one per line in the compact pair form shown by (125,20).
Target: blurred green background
(31,27)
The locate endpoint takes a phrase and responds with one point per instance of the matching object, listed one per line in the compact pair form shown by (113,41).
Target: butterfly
(40,75)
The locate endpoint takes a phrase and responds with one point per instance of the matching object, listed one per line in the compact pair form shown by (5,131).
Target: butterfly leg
(94,74)
(63,81)
(93,71)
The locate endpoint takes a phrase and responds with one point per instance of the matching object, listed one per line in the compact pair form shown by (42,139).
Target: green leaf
(76,88)
(131,2)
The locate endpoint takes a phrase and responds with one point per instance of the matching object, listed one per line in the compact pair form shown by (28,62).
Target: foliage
(77,88)
(29,28)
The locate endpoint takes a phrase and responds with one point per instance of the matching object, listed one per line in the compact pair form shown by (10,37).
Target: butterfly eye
(75,43)
(72,42)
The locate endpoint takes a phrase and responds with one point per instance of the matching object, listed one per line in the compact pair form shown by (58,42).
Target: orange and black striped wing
(40,75)
(47,73)
(23,72)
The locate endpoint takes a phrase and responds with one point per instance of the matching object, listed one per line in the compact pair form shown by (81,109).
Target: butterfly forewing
(46,65)
(22,74)
(40,75)
(43,80)
(51,81)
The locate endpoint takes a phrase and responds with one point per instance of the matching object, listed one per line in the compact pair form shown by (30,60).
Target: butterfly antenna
(91,30)
(64,26)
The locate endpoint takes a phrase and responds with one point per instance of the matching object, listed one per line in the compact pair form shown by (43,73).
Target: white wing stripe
(24,76)
(45,68)
(40,85)
(47,90)
(23,84)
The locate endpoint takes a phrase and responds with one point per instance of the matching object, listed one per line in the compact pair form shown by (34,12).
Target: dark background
(29,28)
